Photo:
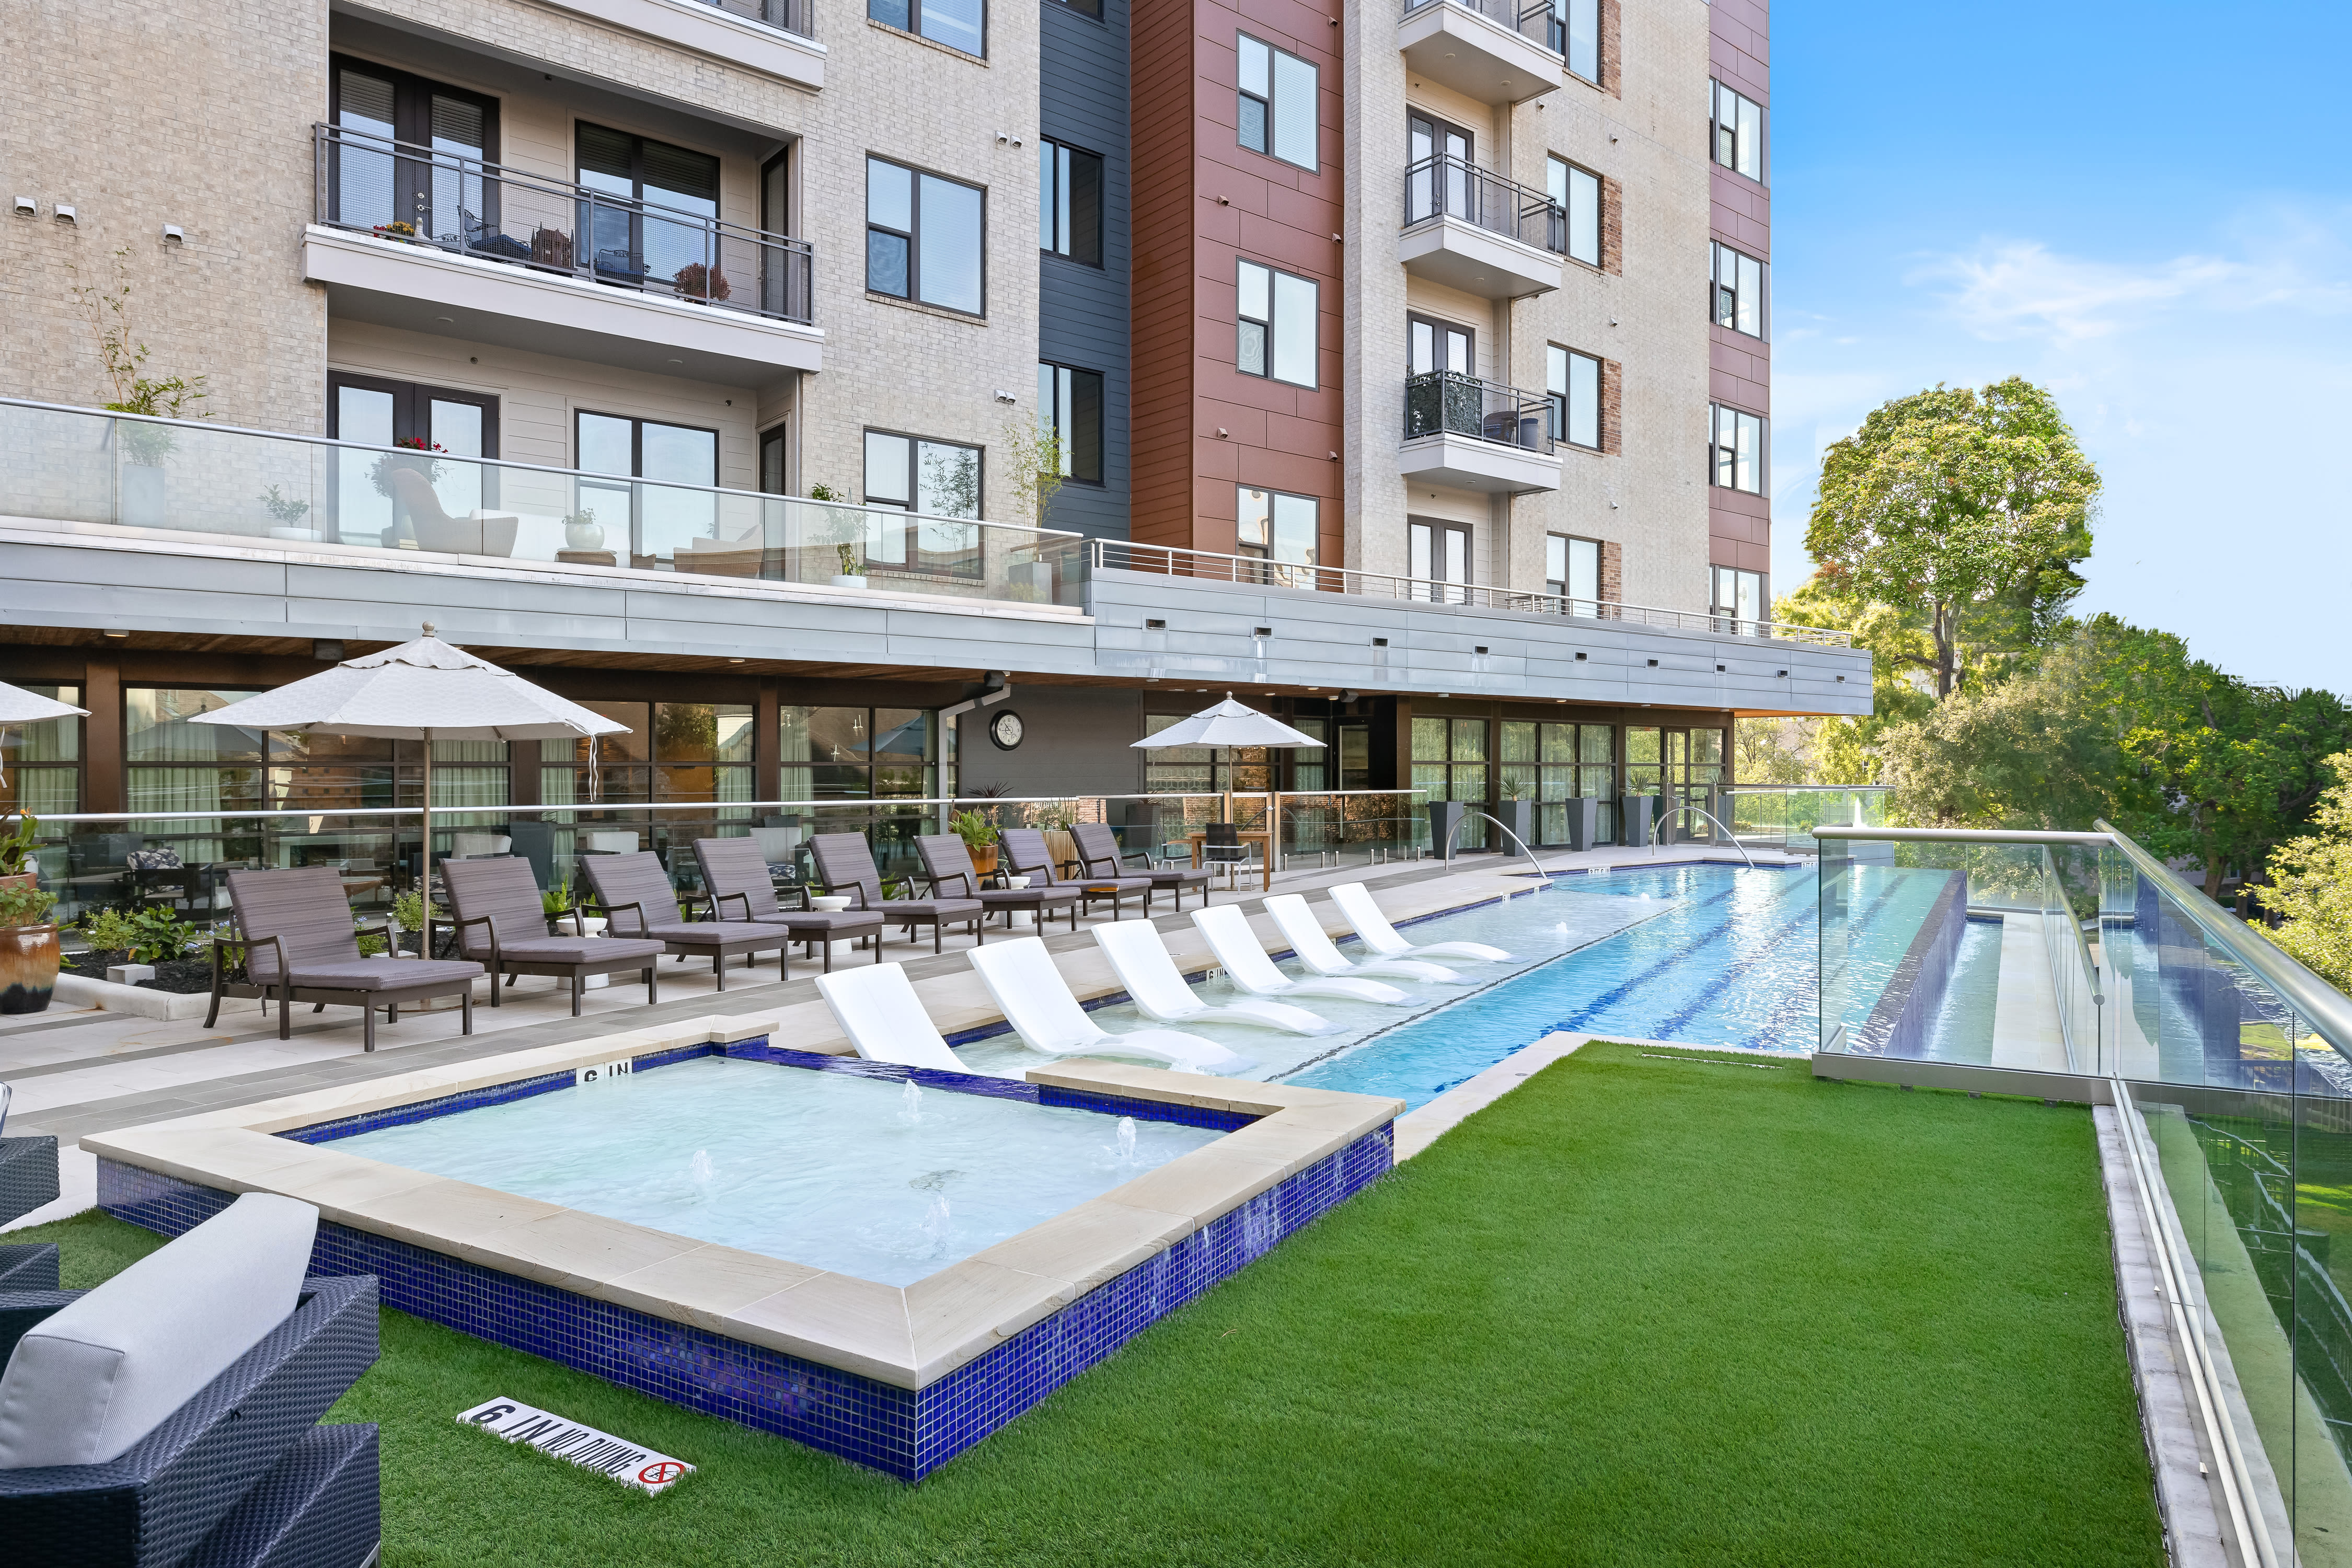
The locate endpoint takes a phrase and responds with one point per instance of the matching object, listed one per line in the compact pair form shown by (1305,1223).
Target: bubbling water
(910,1104)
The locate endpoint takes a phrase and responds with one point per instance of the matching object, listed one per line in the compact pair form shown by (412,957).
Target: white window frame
(1288,92)
(1738,297)
(1286,311)
(1572,387)
(1736,449)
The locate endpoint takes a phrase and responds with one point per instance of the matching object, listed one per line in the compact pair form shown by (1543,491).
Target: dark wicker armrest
(386,926)
(608,911)
(456,934)
(690,904)
(718,905)
(151,1506)
(1144,855)
(248,943)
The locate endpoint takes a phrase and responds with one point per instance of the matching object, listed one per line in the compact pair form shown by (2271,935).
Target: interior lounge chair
(735,870)
(500,921)
(1373,929)
(1026,854)
(844,864)
(1037,1002)
(171,1414)
(948,862)
(878,1010)
(299,945)
(1099,854)
(1317,950)
(1152,980)
(478,532)
(1245,963)
(633,895)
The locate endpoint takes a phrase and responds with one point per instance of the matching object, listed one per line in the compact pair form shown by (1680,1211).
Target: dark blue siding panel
(1083,318)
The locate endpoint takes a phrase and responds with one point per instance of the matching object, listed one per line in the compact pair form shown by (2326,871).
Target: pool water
(881,1181)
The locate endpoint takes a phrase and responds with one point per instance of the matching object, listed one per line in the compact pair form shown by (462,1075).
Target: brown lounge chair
(301,946)
(949,861)
(845,863)
(1098,849)
(736,872)
(1025,852)
(496,910)
(633,895)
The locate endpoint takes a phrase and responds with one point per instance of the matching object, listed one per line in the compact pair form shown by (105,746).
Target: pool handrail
(1727,834)
(1446,854)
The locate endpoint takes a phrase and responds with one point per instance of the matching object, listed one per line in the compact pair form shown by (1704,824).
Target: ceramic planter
(28,967)
(144,502)
(984,858)
(844,580)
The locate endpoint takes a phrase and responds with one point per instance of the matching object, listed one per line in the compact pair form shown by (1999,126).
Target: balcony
(777,38)
(1476,231)
(1478,435)
(1496,51)
(436,242)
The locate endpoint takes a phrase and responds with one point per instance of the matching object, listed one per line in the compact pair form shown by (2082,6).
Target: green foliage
(284,507)
(557,900)
(122,360)
(977,829)
(142,936)
(16,846)
(1035,456)
(685,729)
(2311,884)
(408,909)
(1962,512)
(23,905)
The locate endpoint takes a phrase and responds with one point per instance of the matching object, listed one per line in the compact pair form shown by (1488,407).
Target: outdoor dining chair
(296,932)
(501,923)
(633,895)
(844,864)
(736,872)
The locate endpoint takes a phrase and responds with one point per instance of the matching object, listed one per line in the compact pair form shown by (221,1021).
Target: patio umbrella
(18,706)
(422,690)
(1232,724)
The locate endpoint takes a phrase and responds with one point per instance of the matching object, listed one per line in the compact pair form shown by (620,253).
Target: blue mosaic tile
(900,1432)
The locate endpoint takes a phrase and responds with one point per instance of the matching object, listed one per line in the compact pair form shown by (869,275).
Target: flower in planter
(696,281)
(396,229)
(380,475)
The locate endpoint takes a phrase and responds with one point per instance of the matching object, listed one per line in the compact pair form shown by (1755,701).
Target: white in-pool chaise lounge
(1245,963)
(1039,1005)
(876,1007)
(1317,951)
(1151,979)
(1373,927)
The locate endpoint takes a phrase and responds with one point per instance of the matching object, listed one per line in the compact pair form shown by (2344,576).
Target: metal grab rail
(1180,560)
(1447,402)
(1442,185)
(1719,827)
(417,194)
(1450,833)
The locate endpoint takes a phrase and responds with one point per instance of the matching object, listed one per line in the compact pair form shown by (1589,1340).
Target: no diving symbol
(661,1473)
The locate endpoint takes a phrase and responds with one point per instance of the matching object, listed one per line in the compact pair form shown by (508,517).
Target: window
(1576,35)
(1070,404)
(1449,762)
(1739,292)
(1438,170)
(1069,209)
(699,751)
(1736,126)
(922,237)
(1279,104)
(1737,447)
(1573,572)
(40,763)
(1440,345)
(1439,555)
(1281,528)
(957,23)
(630,240)
(854,753)
(372,506)
(915,474)
(1276,333)
(1740,595)
(1573,382)
(446,198)
(1553,763)
(1084,7)
(1576,193)
(659,519)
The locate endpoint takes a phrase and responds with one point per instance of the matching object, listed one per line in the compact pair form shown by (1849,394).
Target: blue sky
(2145,208)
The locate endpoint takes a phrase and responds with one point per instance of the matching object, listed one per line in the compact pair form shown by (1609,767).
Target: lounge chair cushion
(304,908)
(712,933)
(501,890)
(930,909)
(736,869)
(1029,898)
(97,1376)
(579,950)
(385,973)
(823,920)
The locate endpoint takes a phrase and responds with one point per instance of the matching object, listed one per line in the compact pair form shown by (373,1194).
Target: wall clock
(1006,730)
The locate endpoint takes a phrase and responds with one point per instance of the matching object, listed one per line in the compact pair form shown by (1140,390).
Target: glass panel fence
(1783,817)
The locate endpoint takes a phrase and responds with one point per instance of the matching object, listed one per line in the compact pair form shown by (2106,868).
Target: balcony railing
(464,206)
(1445,186)
(1443,402)
(74,465)
(1204,565)
(1537,22)
(785,16)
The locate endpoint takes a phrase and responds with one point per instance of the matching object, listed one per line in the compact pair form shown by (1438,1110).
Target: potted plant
(28,945)
(143,501)
(845,529)
(288,513)
(414,454)
(582,530)
(397,228)
(696,281)
(978,836)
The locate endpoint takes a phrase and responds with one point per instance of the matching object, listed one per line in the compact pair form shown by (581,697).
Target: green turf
(1641,1311)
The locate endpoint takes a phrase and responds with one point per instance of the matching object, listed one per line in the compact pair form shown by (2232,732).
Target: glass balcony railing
(190,477)
(445,201)
(1783,817)
(1447,186)
(785,16)
(1443,402)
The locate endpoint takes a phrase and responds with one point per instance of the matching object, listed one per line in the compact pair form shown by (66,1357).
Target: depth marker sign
(583,1445)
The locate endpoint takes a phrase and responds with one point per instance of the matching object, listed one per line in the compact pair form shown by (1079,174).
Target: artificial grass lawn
(1639,1311)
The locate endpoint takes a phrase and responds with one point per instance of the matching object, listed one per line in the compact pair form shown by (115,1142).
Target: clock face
(1005,730)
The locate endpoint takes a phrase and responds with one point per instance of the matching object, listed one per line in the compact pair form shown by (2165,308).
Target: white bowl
(830,904)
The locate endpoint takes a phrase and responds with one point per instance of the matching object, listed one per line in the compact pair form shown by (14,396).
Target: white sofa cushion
(92,1380)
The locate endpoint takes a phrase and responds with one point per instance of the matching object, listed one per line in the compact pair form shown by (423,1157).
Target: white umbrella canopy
(18,706)
(422,690)
(1229,724)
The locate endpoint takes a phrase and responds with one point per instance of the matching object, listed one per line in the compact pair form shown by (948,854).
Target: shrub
(24,906)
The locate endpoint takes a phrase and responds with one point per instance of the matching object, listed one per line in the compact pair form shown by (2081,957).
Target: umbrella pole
(424,882)
(1273,836)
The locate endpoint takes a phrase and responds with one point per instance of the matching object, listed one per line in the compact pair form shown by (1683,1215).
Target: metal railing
(797,17)
(1536,22)
(1254,571)
(413,195)
(1447,186)
(1447,402)
(76,465)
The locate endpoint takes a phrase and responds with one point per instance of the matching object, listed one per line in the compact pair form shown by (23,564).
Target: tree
(1035,456)
(1844,749)
(1964,512)
(2311,883)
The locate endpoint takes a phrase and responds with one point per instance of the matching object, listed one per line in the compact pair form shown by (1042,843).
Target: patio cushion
(96,1377)
(620,880)
(823,920)
(502,890)
(733,866)
(712,933)
(1029,898)
(304,908)
(385,973)
(579,950)
(929,909)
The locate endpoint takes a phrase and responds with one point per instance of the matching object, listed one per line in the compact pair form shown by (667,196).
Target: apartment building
(1406,367)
